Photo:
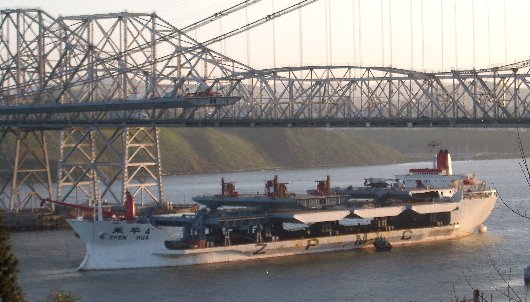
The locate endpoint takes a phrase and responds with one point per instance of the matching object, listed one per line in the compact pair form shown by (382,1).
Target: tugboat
(382,245)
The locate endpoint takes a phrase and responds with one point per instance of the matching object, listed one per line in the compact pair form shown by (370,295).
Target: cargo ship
(423,205)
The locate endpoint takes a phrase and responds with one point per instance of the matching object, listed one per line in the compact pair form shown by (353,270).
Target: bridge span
(106,82)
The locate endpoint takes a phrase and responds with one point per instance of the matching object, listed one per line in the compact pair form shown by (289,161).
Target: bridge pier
(78,164)
(93,162)
(25,177)
(142,169)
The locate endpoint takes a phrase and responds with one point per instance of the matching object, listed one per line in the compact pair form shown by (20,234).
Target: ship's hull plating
(119,244)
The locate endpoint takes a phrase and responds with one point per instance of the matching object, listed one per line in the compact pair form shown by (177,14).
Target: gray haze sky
(339,32)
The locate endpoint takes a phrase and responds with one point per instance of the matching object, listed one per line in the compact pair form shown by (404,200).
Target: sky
(429,35)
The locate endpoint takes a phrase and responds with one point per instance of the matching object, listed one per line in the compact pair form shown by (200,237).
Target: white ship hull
(119,244)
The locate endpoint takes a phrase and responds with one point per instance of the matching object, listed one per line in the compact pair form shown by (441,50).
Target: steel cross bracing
(174,68)
(319,95)
(143,169)
(348,95)
(101,57)
(139,56)
(139,61)
(94,161)
(24,169)
(69,69)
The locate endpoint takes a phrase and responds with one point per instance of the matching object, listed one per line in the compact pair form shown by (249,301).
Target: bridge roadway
(206,112)
(112,113)
(135,120)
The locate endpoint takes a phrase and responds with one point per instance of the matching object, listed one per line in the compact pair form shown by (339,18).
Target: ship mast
(434,145)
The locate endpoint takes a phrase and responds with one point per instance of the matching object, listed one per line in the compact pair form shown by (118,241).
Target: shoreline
(406,159)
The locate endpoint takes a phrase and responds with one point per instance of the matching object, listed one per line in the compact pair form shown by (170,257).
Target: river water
(427,272)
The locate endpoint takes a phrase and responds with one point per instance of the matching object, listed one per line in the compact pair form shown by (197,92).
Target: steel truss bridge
(106,82)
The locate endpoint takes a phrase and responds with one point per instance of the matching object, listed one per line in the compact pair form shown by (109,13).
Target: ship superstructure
(423,205)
